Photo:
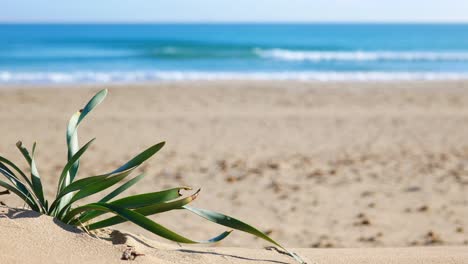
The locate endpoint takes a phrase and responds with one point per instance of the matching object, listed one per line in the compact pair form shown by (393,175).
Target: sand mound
(28,237)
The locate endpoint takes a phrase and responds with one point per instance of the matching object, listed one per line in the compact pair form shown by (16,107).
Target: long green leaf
(70,163)
(96,100)
(72,133)
(73,146)
(59,201)
(140,158)
(145,199)
(93,189)
(12,178)
(76,186)
(150,209)
(238,225)
(24,151)
(22,195)
(113,194)
(18,184)
(122,188)
(36,178)
(11,164)
(127,167)
(143,222)
(136,201)
(98,186)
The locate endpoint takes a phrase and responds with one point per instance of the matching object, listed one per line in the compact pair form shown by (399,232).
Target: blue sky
(233,10)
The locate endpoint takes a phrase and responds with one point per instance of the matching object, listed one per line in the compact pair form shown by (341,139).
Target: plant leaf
(24,151)
(75,186)
(73,146)
(36,178)
(122,188)
(150,209)
(96,100)
(72,131)
(22,195)
(72,135)
(124,169)
(11,164)
(36,184)
(139,200)
(12,178)
(69,165)
(93,188)
(238,225)
(140,158)
(143,222)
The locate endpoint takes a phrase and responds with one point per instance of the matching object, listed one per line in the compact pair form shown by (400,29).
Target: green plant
(134,208)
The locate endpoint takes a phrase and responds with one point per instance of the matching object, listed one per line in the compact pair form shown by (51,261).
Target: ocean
(106,53)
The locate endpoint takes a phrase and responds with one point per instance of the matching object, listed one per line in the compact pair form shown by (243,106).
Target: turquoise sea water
(69,53)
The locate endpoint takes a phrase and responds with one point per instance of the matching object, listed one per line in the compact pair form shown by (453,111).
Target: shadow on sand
(18,213)
(231,256)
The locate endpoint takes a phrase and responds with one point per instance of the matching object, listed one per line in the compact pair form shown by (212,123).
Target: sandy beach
(381,167)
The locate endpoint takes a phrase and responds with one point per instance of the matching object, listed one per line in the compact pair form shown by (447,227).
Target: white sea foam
(317,56)
(148,76)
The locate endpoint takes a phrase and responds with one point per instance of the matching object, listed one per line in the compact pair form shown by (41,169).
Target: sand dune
(28,237)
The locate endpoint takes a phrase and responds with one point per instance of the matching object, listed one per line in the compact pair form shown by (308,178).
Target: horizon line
(231,22)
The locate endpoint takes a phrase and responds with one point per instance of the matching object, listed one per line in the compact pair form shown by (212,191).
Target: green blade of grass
(73,146)
(98,186)
(12,178)
(27,199)
(69,165)
(143,222)
(124,169)
(145,199)
(95,101)
(24,151)
(36,178)
(153,208)
(140,158)
(238,225)
(12,165)
(136,201)
(91,189)
(72,131)
(110,196)
(127,167)
(57,205)
(122,188)
(130,165)
(20,186)
(72,140)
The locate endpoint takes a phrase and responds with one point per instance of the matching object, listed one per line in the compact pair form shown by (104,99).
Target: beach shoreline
(240,83)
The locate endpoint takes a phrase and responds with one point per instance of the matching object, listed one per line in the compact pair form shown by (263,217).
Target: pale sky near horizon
(233,11)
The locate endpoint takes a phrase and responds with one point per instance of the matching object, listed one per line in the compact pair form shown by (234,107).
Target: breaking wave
(7,77)
(317,56)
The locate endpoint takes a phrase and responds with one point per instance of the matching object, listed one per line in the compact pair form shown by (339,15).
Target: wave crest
(148,76)
(317,56)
